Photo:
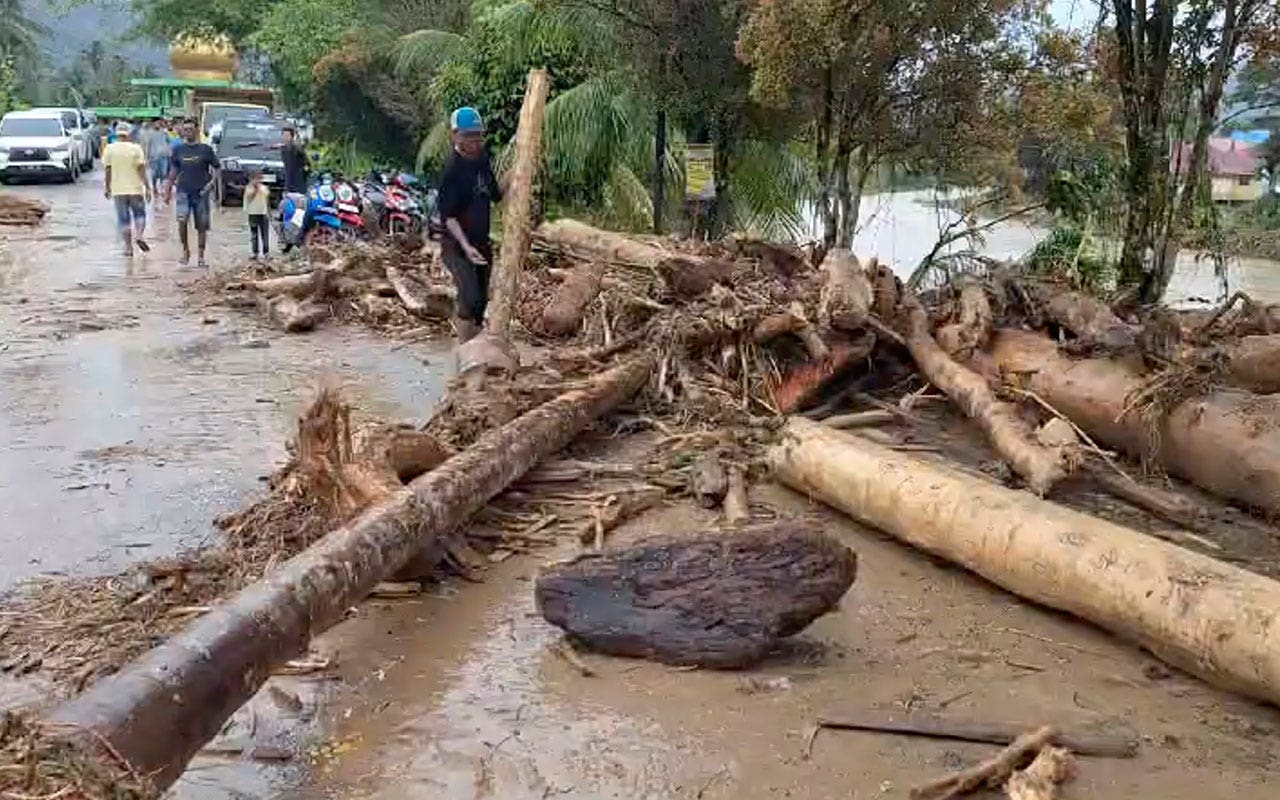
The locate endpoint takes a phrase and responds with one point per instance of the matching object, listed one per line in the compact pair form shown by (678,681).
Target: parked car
(249,145)
(37,144)
(81,130)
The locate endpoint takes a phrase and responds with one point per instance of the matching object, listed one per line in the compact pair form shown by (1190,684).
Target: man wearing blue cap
(468,190)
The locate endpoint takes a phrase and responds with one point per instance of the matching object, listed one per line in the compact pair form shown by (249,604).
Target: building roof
(190,83)
(1226,157)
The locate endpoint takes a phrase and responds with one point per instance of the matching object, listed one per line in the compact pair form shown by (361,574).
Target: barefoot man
(193,170)
(127,186)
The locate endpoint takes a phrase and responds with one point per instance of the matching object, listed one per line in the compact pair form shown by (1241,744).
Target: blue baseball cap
(466,120)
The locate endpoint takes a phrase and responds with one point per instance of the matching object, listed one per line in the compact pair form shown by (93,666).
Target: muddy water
(902,227)
(131,419)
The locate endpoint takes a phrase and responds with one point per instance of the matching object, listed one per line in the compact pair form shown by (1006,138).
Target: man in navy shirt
(193,169)
(468,190)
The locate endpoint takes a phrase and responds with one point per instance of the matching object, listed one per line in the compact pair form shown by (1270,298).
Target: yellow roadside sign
(699,172)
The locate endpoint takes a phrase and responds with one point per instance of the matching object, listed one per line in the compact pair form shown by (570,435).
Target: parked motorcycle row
(391,204)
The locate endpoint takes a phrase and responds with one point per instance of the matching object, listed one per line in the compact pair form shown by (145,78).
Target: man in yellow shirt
(126,184)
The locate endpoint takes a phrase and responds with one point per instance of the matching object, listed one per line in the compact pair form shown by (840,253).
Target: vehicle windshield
(213,114)
(31,126)
(242,140)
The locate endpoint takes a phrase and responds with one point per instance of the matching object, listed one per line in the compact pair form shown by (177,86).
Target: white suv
(36,144)
(77,124)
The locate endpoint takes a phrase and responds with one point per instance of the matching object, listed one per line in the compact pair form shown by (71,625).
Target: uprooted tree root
(37,763)
(77,630)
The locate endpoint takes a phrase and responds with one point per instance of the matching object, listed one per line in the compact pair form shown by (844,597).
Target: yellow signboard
(699,172)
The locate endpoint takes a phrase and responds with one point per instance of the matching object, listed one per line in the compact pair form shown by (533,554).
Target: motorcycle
(327,212)
(392,204)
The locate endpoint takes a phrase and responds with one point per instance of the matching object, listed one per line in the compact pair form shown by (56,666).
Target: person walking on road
(127,186)
(468,189)
(257,201)
(193,170)
(155,144)
(296,163)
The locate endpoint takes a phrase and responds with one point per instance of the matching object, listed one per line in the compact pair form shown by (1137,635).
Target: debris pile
(15,210)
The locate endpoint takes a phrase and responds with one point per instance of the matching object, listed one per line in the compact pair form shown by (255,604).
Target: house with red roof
(1234,169)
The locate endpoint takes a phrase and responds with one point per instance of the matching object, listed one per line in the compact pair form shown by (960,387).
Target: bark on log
(713,600)
(708,480)
(1253,363)
(1226,441)
(792,321)
(293,316)
(972,328)
(437,302)
(158,711)
(1011,437)
(1040,781)
(1205,617)
(1087,318)
(846,296)
(517,213)
(594,244)
(564,313)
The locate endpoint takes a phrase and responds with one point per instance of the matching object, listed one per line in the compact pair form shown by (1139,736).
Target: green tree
(238,19)
(295,35)
(20,36)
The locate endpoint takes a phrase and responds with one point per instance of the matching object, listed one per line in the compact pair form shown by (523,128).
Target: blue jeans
(159,168)
(192,204)
(131,209)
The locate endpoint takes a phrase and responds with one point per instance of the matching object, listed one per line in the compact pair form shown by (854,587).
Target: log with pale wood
(1088,318)
(564,313)
(158,711)
(972,327)
(517,204)
(1040,466)
(716,599)
(1253,363)
(1041,780)
(993,772)
(1226,441)
(1201,615)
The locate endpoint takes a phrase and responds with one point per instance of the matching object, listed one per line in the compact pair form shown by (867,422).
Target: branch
(947,236)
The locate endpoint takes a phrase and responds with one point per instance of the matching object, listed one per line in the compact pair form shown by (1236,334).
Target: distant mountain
(109,22)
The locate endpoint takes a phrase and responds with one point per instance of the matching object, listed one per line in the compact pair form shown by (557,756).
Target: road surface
(133,418)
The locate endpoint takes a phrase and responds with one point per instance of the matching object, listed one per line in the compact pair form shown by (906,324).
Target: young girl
(257,199)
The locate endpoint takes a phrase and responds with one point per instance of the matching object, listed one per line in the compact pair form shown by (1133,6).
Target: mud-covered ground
(134,417)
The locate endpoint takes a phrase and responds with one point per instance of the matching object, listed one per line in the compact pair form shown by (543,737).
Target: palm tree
(20,36)
(600,124)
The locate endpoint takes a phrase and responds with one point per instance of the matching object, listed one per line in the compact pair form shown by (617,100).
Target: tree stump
(711,600)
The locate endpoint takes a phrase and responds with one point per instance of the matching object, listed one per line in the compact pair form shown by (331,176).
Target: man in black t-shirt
(296,163)
(193,170)
(468,189)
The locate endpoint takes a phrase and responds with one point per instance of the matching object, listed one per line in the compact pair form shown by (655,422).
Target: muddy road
(131,418)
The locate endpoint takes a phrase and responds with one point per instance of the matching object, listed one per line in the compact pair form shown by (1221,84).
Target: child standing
(257,199)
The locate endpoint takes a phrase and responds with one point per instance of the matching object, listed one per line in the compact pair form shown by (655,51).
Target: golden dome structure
(203,56)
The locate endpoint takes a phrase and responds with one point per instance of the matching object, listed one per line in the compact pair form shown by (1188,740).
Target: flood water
(902,227)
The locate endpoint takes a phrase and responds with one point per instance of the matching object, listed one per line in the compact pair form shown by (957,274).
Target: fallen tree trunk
(159,710)
(687,275)
(847,294)
(1253,363)
(1201,615)
(1088,318)
(517,211)
(972,328)
(1012,438)
(292,315)
(564,313)
(792,321)
(719,600)
(436,303)
(1226,441)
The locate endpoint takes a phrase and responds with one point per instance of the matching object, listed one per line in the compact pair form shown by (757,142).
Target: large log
(1201,615)
(1253,363)
(517,213)
(1226,441)
(1087,317)
(564,312)
(1012,438)
(159,710)
(713,600)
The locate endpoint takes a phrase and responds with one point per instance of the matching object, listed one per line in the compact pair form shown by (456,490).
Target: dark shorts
(130,208)
(194,205)
(472,281)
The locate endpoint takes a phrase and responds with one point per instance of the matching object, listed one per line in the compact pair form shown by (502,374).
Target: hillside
(108,22)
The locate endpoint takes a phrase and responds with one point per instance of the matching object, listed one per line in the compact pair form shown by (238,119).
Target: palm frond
(625,199)
(424,51)
(434,147)
(772,184)
(588,128)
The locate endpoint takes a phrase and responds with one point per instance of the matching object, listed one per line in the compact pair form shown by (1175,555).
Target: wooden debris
(992,772)
(860,419)
(1040,781)
(619,508)
(964,730)
(708,480)
(710,600)
(972,328)
(737,508)
(564,312)
(846,295)
(1172,601)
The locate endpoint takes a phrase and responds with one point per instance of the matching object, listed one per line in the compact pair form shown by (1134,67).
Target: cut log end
(712,600)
